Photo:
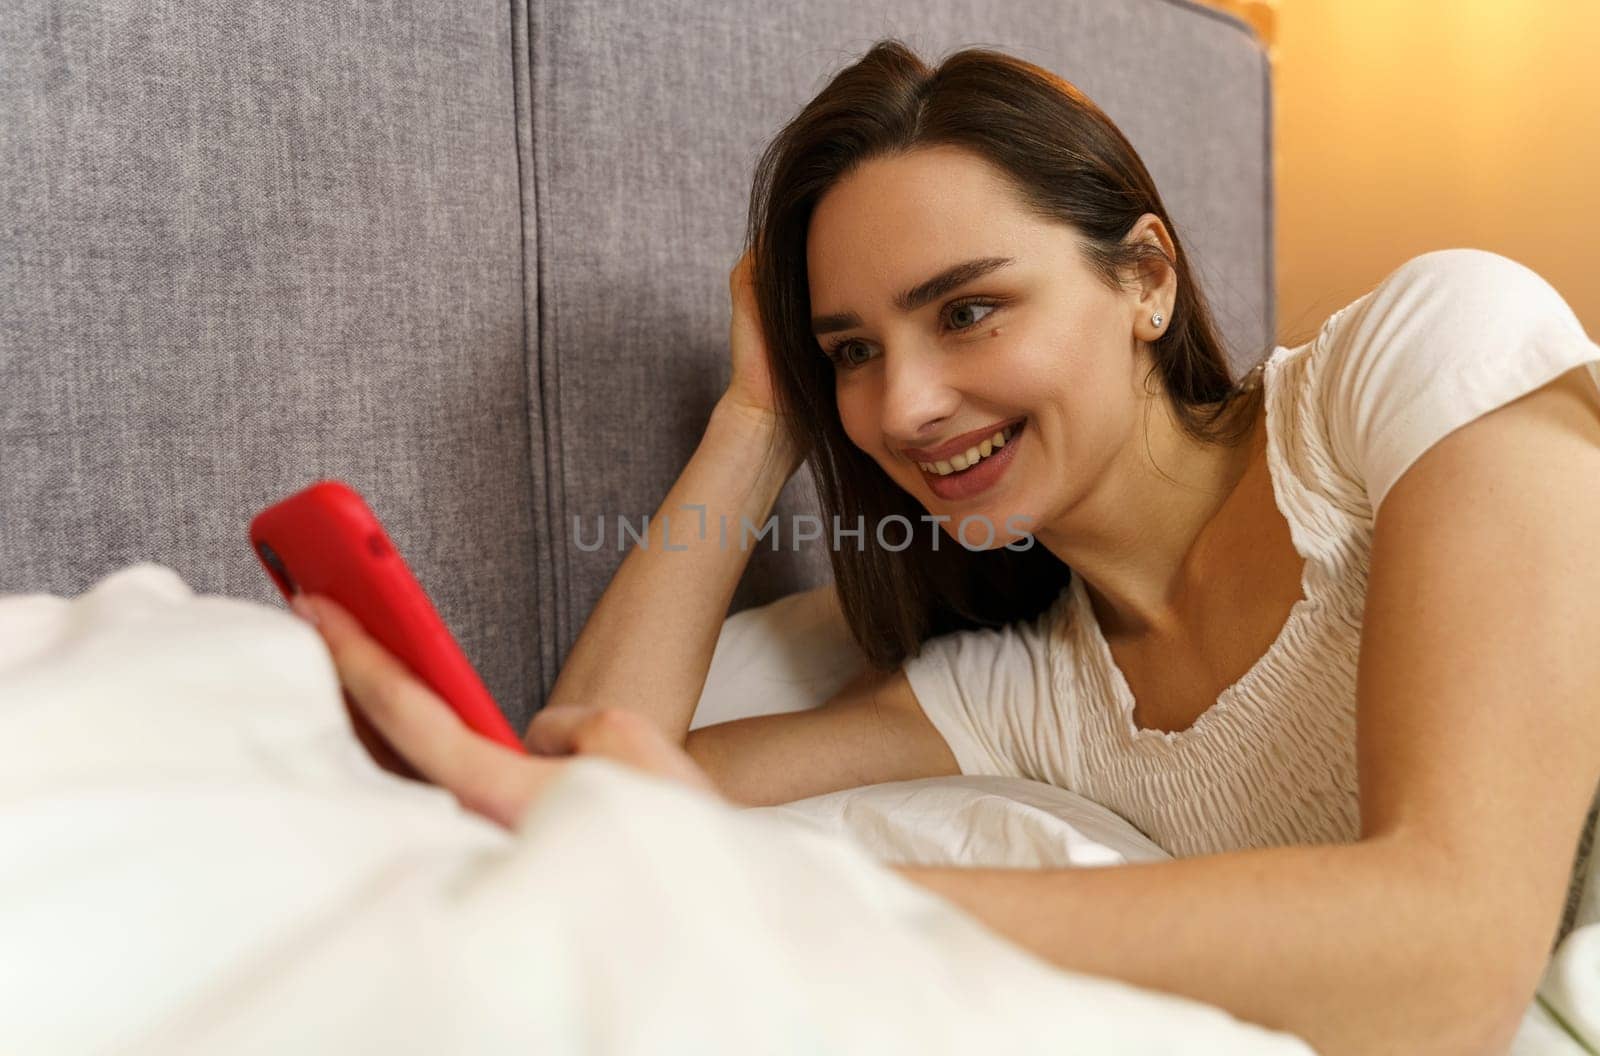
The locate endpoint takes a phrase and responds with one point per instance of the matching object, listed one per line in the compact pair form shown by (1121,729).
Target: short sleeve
(1445,338)
(988,692)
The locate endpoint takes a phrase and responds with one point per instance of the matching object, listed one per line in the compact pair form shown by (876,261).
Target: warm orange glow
(1405,127)
(1259,14)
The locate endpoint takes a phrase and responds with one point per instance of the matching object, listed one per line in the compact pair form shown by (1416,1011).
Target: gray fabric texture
(471,259)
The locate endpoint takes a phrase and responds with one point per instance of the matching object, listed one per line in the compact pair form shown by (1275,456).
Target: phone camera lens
(275,565)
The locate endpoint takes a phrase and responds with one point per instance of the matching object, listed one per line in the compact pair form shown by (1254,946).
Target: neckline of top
(1094,647)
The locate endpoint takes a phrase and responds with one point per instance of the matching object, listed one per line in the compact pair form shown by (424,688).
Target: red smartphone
(325,540)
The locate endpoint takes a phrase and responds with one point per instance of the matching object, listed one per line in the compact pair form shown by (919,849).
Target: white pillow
(788,655)
(975,820)
(795,653)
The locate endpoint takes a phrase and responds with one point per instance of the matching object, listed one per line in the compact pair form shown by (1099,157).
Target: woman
(1371,741)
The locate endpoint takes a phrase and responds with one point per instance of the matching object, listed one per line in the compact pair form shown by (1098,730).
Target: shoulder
(1448,305)
(1478,270)
(1443,338)
(991,664)
(990,692)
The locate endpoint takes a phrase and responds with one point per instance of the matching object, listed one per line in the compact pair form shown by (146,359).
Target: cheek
(1092,412)
(1063,388)
(855,414)
(1077,370)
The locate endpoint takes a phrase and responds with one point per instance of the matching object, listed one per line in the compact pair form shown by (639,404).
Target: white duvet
(196,855)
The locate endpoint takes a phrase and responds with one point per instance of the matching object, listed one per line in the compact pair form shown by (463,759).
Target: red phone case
(325,540)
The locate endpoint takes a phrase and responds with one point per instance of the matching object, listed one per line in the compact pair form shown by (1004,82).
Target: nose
(918,397)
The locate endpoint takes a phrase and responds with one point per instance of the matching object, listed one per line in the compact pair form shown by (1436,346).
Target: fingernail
(303,609)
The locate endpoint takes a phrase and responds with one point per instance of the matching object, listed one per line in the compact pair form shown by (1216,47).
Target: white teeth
(971,456)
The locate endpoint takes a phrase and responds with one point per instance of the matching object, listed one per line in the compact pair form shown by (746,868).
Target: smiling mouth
(975,454)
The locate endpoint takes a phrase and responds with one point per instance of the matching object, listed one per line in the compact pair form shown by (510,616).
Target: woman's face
(1040,340)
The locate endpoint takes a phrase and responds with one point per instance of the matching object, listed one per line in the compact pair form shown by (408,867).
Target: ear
(1155,286)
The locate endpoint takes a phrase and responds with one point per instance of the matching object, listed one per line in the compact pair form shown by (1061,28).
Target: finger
(379,749)
(503,793)
(409,716)
(551,730)
(614,733)
(634,739)
(589,729)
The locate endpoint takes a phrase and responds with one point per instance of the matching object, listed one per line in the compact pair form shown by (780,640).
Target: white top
(1444,338)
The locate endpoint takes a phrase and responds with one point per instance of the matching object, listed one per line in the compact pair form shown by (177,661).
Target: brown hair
(1071,166)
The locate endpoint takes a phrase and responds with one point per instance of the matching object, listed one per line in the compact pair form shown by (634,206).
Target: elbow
(1473,961)
(1456,997)
(1460,1024)
(1473,1017)
(1490,1033)
(1482,997)
(1517,970)
(1512,998)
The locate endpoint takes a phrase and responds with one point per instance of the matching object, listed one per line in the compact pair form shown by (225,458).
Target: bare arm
(647,645)
(872,730)
(1361,948)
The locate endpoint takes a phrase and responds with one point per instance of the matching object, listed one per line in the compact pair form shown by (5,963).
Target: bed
(471,259)
(199,856)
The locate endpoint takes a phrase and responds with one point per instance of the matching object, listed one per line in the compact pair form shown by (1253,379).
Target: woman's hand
(750,389)
(410,731)
(750,395)
(616,733)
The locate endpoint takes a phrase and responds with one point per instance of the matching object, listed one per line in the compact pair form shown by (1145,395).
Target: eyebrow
(949,279)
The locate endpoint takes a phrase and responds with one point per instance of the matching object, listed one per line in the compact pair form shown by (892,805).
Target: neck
(1152,531)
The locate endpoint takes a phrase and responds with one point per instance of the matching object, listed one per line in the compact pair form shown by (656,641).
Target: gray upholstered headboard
(472,260)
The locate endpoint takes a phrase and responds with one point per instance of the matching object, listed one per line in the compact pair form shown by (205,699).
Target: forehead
(896,215)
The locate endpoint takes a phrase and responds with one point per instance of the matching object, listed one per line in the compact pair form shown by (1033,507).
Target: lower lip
(978,479)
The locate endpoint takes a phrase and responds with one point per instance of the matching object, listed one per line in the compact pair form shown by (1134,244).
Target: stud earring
(1155,320)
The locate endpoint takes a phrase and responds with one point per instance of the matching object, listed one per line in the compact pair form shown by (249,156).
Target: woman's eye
(958,309)
(958,313)
(839,353)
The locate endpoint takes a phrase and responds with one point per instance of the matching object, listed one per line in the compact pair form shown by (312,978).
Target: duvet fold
(196,855)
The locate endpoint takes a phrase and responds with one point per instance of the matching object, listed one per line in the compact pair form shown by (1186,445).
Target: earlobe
(1152,327)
